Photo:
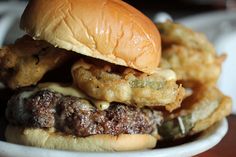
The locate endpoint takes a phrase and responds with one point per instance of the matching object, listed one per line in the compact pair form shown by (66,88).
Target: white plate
(220,28)
(204,142)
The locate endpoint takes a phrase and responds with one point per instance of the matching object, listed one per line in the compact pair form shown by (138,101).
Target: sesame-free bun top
(110,30)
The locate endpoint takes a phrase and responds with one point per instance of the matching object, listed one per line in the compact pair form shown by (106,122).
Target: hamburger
(116,85)
(86,78)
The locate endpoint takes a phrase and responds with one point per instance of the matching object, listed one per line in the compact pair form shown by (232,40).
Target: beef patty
(77,116)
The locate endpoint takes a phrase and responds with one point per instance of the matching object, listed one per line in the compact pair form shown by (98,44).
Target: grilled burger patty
(77,116)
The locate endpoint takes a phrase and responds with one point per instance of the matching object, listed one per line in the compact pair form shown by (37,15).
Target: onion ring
(206,106)
(189,54)
(104,81)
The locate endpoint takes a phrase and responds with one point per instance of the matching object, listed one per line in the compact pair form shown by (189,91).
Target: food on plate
(72,115)
(200,110)
(26,62)
(197,67)
(118,98)
(189,54)
(104,81)
(117,85)
(173,33)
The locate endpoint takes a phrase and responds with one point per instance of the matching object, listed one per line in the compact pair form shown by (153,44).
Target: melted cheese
(65,90)
(72,91)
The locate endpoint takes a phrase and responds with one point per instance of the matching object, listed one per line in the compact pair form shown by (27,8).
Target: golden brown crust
(109,30)
(222,111)
(189,54)
(107,82)
(27,61)
(52,140)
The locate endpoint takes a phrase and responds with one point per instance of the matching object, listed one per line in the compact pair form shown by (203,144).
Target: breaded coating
(104,81)
(189,54)
(25,62)
(203,108)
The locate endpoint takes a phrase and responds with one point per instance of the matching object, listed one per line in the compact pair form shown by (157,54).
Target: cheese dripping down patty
(67,91)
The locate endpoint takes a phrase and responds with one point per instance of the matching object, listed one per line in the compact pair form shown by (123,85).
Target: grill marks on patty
(77,116)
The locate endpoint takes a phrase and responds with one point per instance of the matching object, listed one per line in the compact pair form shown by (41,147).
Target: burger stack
(88,76)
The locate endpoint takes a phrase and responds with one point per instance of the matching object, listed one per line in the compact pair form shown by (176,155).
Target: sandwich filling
(105,98)
(47,108)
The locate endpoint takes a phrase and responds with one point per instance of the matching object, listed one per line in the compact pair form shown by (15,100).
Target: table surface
(227,147)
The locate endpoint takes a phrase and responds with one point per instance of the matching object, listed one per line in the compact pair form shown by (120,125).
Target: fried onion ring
(177,34)
(190,64)
(206,106)
(25,62)
(189,54)
(104,81)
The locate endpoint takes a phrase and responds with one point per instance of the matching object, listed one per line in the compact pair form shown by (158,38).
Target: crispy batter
(224,109)
(189,54)
(104,81)
(204,107)
(207,105)
(198,67)
(25,62)
(190,64)
(201,98)
(173,33)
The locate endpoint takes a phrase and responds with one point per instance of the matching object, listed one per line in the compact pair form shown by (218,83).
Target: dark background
(178,8)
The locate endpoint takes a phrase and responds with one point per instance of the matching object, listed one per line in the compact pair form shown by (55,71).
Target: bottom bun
(54,140)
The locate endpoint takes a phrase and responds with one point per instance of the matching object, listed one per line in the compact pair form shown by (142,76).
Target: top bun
(110,30)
